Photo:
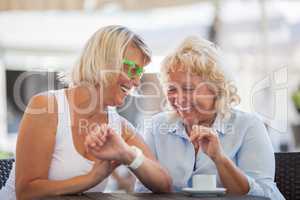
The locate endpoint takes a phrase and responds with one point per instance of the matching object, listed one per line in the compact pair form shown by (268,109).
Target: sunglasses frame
(132,64)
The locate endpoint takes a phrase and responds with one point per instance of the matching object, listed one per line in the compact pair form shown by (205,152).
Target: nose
(181,99)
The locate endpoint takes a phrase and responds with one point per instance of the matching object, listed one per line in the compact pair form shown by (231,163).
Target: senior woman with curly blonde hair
(203,133)
(70,140)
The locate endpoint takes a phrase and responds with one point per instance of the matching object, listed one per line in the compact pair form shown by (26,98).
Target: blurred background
(259,38)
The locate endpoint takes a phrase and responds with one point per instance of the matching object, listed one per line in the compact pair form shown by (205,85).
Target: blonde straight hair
(102,56)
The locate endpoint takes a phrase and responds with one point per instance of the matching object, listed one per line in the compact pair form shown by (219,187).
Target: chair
(5,167)
(287,176)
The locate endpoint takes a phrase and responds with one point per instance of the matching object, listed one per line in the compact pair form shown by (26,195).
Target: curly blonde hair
(202,57)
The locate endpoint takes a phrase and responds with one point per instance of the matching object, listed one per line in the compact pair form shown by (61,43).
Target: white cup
(204,182)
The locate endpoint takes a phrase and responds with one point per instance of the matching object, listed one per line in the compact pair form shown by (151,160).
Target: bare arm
(35,145)
(231,176)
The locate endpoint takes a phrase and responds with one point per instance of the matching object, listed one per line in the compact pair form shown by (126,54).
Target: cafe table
(147,196)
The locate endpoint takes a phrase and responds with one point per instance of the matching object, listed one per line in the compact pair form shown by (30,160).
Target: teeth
(124,89)
(185,108)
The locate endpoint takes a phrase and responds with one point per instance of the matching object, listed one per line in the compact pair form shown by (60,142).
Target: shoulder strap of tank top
(62,108)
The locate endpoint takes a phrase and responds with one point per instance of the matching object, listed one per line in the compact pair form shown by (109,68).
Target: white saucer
(206,192)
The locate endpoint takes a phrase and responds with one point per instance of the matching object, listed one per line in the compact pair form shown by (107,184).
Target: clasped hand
(105,144)
(207,140)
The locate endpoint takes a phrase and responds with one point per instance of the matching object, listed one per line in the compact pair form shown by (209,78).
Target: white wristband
(138,160)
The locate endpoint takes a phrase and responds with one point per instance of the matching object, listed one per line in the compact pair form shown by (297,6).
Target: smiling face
(116,93)
(191,97)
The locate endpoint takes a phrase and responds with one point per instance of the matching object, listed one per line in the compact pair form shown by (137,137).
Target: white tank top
(66,161)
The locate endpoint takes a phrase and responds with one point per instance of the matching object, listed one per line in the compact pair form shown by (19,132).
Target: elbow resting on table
(28,192)
(242,190)
(22,194)
(166,187)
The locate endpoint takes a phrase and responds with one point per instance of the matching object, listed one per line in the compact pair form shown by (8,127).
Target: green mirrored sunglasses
(133,68)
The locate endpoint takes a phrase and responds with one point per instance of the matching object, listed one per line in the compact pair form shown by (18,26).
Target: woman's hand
(206,139)
(105,144)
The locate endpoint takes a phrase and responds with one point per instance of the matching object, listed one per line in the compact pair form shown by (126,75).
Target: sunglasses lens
(133,69)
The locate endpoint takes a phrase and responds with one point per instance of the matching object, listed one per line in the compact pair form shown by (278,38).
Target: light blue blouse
(243,137)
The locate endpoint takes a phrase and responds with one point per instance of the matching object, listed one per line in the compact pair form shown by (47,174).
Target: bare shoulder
(41,113)
(42,103)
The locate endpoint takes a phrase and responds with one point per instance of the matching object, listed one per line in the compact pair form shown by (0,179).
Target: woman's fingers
(87,142)
(199,132)
(194,133)
(106,132)
(90,144)
(110,132)
(94,149)
(203,136)
(102,133)
(95,152)
(99,135)
(96,140)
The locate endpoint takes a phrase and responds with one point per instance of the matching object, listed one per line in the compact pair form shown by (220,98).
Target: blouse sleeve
(256,159)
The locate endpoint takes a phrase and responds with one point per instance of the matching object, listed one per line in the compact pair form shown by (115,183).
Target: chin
(119,101)
(187,117)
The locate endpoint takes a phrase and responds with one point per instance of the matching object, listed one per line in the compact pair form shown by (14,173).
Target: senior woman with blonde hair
(70,140)
(203,133)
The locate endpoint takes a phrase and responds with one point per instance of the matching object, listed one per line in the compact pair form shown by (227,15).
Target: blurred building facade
(86,4)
